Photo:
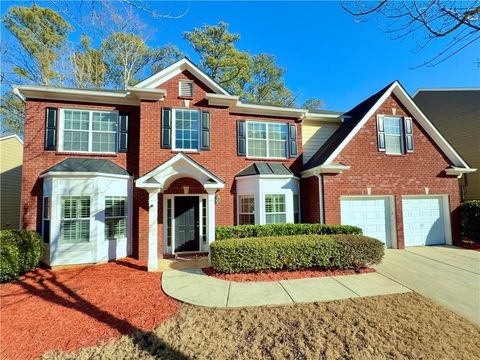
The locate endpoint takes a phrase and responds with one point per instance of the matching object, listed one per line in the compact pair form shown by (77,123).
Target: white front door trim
(390,199)
(170,250)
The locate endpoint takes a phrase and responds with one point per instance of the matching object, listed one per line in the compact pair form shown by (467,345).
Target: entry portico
(197,218)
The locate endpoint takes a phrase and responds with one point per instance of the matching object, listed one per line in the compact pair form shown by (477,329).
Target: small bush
(253,231)
(296,252)
(20,252)
(470,219)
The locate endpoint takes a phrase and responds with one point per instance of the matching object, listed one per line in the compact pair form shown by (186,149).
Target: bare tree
(457,21)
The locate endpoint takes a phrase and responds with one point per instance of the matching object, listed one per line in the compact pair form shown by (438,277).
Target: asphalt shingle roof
(265,168)
(89,165)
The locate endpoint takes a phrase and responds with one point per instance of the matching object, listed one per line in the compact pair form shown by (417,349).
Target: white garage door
(423,221)
(368,213)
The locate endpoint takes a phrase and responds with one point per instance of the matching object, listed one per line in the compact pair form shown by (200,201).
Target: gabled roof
(360,114)
(265,168)
(81,165)
(176,68)
(14,136)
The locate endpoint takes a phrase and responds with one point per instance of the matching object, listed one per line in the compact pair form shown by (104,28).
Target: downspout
(321,199)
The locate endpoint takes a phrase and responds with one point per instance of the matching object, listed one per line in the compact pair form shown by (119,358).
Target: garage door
(368,213)
(423,221)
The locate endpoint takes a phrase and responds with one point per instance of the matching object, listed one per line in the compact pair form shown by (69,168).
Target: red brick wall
(309,197)
(145,154)
(395,175)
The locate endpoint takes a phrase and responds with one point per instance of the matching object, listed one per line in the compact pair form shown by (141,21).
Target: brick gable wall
(395,175)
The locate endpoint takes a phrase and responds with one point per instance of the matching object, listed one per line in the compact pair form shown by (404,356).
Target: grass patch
(403,326)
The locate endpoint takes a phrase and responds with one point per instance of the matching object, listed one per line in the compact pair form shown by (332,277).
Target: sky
(326,53)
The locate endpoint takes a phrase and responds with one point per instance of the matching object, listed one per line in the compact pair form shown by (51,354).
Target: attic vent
(186,88)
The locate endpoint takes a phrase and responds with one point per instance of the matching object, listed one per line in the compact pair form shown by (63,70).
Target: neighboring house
(11,158)
(151,170)
(456,114)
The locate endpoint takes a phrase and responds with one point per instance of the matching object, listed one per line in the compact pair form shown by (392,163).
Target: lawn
(404,326)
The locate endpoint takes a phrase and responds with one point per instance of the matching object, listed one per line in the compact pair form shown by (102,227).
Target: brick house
(151,170)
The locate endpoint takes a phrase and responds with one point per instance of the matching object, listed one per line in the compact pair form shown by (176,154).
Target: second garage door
(423,221)
(371,214)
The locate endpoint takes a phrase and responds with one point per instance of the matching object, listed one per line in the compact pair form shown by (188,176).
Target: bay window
(266,140)
(115,217)
(246,213)
(275,210)
(89,131)
(75,220)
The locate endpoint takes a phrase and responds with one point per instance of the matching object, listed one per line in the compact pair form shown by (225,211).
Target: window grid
(393,135)
(47,208)
(204,221)
(275,212)
(186,129)
(267,140)
(246,213)
(115,217)
(89,131)
(296,208)
(75,222)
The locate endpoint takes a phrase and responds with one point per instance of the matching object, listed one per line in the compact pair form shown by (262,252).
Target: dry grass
(404,326)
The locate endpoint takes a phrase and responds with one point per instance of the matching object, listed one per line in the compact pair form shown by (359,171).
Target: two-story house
(151,170)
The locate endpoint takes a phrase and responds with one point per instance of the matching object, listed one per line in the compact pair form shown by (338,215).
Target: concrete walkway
(194,287)
(446,274)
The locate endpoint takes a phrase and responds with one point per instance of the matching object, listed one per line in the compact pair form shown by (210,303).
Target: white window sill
(266,158)
(186,151)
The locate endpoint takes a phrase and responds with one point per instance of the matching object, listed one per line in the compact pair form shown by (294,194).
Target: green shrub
(296,252)
(20,252)
(253,231)
(470,219)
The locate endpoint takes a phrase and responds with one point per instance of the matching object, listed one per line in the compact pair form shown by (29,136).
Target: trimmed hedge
(254,231)
(470,219)
(296,252)
(20,252)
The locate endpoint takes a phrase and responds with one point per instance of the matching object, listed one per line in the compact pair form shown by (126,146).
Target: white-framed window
(393,135)
(115,217)
(267,140)
(75,220)
(186,129)
(296,208)
(47,210)
(246,209)
(185,88)
(275,210)
(88,130)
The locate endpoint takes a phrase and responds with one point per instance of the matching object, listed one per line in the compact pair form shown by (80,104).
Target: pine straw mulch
(72,308)
(403,326)
(277,275)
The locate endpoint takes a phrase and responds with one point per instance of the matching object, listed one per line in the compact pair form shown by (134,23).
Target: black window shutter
(122,132)
(380,133)
(408,134)
(241,138)
(166,142)
(205,140)
(292,137)
(51,128)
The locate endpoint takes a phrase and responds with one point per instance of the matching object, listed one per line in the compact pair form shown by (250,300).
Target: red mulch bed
(470,244)
(276,275)
(72,308)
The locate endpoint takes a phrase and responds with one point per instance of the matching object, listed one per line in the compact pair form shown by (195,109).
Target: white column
(153,229)
(210,219)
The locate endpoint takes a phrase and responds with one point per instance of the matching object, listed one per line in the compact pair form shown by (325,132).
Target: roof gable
(361,113)
(176,68)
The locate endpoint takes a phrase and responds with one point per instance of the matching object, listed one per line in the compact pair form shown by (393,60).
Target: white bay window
(75,223)
(275,210)
(115,217)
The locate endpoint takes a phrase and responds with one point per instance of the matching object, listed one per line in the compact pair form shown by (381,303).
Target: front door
(186,224)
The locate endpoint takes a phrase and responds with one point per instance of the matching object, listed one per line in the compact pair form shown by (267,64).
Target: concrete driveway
(446,274)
